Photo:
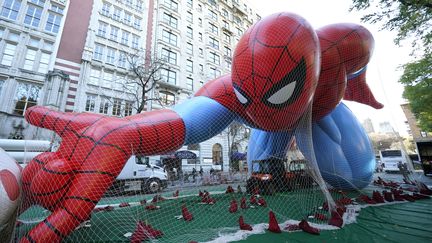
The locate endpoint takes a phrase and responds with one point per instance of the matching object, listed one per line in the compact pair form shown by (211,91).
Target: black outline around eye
(248,100)
(297,74)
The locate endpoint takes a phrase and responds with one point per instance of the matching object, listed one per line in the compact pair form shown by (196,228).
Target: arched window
(217,154)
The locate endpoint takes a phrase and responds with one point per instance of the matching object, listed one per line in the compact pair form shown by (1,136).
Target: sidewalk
(397,177)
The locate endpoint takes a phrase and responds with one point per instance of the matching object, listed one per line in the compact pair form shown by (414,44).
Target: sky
(383,70)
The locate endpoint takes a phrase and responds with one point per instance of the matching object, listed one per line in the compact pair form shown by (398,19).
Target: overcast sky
(383,73)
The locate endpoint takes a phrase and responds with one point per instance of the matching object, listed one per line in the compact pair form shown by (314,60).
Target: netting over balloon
(286,84)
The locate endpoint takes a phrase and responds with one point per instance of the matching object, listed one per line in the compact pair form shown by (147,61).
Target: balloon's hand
(59,122)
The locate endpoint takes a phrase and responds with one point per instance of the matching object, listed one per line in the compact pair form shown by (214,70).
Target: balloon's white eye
(288,88)
(240,97)
(282,95)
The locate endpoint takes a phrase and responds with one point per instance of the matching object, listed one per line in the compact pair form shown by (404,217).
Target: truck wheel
(117,187)
(152,186)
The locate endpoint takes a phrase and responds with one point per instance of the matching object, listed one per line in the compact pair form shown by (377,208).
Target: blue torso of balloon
(343,150)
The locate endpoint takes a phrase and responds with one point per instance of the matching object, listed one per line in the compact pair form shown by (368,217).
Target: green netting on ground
(403,222)
(211,219)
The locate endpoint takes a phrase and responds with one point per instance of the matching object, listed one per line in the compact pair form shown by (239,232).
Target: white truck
(390,159)
(139,174)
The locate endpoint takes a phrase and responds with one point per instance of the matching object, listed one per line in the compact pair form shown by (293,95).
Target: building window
(98,52)
(239,31)
(214,58)
(137,23)
(107,80)
(213,15)
(228,64)
(129,3)
(125,37)
(102,29)
(189,66)
(169,56)
(29,59)
(170,20)
(104,105)
(225,25)
(214,29)
(200,37)
(110,55)
(127,18)
(189,17)
(34,42)
(10,9)
(90,103)
(117,14)
(54,19)
(114,33)
(189,48)
(122,59)
(189,3)
(33,15)
(214,72)
(135,41)
(201,68)
(199,8)
(8,54)
(26,96)
(189,83)
(225,13)
(1,85)
(217,154)
(95,74)
(201,52)
(201,83)
(106,7)
(227,37)
(189,32)
(116,108)
(168,76)
(227,51)
(169,37)
(44,62)
(214,43)
(166,98)
(139,5)
(200,22)
(172,4)
(128,108)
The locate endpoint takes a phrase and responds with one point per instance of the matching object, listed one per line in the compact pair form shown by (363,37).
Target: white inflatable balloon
(10,187)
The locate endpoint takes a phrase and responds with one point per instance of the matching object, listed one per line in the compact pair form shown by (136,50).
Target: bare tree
(144,73)
(236,133)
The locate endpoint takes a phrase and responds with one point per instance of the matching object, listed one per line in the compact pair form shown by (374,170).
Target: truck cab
(139,174)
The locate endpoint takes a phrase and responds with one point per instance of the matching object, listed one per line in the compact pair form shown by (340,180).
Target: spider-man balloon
(281,68)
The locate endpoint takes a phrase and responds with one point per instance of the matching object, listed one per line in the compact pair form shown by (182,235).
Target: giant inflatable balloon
(10,193)
(281,67)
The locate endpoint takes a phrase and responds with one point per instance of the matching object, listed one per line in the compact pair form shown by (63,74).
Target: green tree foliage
(411,19)
(417,79)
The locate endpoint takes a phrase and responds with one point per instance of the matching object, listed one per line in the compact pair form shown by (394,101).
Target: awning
(185,154)
(238,156)
(182,154)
